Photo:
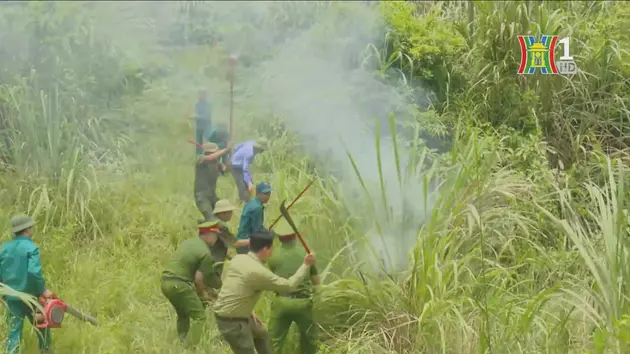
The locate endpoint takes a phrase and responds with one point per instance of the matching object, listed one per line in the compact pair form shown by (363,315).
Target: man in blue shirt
(242,157)
(203,114)
(21,270)
(253,217)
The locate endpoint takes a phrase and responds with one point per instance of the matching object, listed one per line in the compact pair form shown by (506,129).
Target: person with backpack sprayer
(21,270)
(289,307)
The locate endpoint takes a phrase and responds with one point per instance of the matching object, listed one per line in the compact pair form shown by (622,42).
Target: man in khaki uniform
(182,281)
(207,171)
(245,279)
(289,307)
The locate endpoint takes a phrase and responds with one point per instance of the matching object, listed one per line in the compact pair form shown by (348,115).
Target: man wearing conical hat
(206,175)
(182,281)
(21,270)
(292,307)
(223,211)
(242,158)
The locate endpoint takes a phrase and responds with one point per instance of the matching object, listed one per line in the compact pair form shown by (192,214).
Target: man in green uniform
(245,279)
(206,174)
(183,281)
(289,307)
(253,217)
(21,270)
(221,137)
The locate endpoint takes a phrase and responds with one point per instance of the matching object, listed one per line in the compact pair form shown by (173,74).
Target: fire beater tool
(293,202)
(287,216)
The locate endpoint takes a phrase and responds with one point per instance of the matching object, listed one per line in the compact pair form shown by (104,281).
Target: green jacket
(21,268)
(252,219)
(245,279)
(192,255)
(206,175)
(287,260)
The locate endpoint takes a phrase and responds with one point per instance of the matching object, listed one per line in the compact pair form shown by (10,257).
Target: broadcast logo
(541,55)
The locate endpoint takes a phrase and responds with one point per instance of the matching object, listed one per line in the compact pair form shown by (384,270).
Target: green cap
(21,223)
(208,223)
(263,187)
(261,143)
(282,228)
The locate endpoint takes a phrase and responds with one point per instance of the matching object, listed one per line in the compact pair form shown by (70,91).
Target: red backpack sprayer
(54,313)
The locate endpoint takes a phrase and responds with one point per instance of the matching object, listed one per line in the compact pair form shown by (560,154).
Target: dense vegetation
(525,247)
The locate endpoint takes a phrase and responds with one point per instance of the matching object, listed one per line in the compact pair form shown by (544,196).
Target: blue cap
(263,187)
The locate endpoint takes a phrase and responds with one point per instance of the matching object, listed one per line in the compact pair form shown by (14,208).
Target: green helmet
(21,223)
(261,144)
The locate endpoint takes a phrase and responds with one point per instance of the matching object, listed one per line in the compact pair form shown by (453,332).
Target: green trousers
(285,311)
(189,308)
(244,336)
(205,202)
(17,310)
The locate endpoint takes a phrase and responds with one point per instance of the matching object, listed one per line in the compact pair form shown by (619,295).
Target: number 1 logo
(541,55)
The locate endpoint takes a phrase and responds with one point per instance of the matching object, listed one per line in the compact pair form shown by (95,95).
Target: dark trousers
(205,202)
(241,186)
(244,335)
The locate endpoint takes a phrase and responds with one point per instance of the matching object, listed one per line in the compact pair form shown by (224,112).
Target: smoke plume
(315,81)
